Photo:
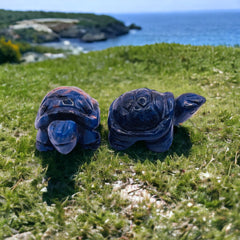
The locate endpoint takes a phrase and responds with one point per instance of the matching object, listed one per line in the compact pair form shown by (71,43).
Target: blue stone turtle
(67,116)
(148,115)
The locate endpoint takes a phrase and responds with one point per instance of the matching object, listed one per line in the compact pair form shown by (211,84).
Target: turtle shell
(68,103)
(141,114)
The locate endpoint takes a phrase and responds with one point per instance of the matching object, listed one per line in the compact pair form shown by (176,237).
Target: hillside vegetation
(8,17)
(191,191)
(39,26)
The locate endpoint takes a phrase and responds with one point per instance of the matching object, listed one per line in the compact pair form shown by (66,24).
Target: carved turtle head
(186,105)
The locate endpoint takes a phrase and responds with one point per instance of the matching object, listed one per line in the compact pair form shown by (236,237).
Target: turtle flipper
(43,144)
(41,147)
(186,105)
(90,139)
(120,143)
(162,144)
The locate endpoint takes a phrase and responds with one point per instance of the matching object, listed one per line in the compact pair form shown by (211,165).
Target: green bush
(9,52)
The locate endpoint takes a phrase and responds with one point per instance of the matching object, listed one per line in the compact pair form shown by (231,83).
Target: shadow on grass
(62,168)
(60,172)
(181,146)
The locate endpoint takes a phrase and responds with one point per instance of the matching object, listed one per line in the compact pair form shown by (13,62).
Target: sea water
(195,28)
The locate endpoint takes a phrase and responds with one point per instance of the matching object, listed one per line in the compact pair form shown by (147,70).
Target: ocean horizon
(194,27)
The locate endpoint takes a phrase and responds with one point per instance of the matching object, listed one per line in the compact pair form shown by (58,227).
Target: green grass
(192,190)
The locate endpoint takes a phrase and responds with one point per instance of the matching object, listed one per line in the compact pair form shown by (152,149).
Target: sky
(119,6)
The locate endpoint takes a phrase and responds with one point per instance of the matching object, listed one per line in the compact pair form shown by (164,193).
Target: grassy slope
(197,180)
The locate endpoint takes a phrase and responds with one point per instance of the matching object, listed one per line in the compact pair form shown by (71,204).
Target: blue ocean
(195,28)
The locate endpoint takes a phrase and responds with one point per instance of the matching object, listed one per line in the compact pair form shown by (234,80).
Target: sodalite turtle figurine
(67,116)
(149,116)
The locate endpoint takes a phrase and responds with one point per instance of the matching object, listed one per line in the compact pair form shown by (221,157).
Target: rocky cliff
(47,28)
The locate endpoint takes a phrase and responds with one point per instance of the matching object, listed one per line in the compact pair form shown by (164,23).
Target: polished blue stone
(148,115)
(66,117)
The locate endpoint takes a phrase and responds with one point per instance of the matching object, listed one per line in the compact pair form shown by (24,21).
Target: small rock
(73,32)
(48,235)
(134,26)
(44,190)
(54,55)
(204,176)
(93,37)
(31,57)
(22,236)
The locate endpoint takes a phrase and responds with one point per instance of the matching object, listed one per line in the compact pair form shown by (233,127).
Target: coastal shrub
(9,52)
(25,47)
(34,36)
